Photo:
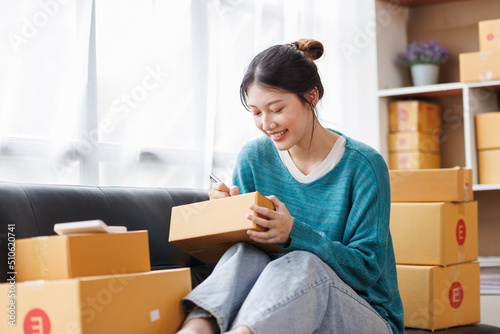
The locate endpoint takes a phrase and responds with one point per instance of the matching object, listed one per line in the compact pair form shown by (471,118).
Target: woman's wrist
(287,243)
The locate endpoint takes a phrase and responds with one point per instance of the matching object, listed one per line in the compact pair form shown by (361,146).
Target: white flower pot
(425,74)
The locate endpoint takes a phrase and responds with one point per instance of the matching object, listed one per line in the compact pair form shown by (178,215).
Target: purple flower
(424,53)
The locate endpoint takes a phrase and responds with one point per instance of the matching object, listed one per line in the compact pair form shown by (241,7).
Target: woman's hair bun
(312,48)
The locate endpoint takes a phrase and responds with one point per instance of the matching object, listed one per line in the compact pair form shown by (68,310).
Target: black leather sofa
(33,209)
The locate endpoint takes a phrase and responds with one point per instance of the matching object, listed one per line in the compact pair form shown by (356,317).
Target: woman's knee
(243,252)
(300,262)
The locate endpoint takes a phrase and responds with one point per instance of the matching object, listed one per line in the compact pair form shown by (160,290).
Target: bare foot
(202,326)
(240,330)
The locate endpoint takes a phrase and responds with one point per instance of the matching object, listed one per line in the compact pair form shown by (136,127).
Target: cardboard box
(488,130)
(414,116)
(439,297)
(489,35)
(489,166)
(122,303)
(435,233)
(57,257)
(207,229)
(431,185)
(413,141)
(479,66)
(414,159)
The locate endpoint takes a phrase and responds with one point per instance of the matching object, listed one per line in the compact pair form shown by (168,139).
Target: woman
(332,202)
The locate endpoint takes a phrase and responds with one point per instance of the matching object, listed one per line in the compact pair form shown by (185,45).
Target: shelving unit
(453,23)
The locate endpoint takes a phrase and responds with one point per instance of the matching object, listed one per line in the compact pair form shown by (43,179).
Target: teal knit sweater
(342,217)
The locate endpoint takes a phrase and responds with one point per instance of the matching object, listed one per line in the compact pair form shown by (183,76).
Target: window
(146,93)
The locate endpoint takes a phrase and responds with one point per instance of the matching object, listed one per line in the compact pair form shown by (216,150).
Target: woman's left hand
(279,224)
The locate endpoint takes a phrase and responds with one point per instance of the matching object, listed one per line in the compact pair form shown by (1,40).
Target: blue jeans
(296,293)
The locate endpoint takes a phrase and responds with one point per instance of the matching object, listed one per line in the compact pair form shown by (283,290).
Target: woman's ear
(313,96)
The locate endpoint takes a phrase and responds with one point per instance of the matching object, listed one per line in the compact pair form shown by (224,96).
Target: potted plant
(424,59)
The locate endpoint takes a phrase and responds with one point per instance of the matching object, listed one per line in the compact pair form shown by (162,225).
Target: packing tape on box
(40,254)
(456,295)
(466,187)
(154,315)
(461,254)
(454,272)
(461,225)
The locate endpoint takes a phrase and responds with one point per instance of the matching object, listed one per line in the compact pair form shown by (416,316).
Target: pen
(214,178)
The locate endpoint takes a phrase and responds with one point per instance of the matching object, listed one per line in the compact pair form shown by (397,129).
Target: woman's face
(281,116)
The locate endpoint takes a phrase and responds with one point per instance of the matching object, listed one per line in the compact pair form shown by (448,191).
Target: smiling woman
(339,275)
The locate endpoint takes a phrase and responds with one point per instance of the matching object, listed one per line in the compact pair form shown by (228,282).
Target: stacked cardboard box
(435,237)
(485,64)
(414,134)
(488,146)
(92,283)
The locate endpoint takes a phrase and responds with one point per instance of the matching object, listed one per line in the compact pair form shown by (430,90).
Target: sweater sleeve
(360,258)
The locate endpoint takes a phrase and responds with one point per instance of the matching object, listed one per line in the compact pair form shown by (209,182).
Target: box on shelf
(436,297)
(489,166)
(434,233)
(90,254)
(413,141)
(414,159)
(489,35)
(123,303)
(415,116)
(431,185)
(207,229)
(487,130)
(479,66)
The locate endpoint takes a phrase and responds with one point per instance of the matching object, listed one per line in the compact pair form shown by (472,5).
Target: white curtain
(146,93)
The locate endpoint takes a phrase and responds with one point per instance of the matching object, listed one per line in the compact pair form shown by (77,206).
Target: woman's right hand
(220,190)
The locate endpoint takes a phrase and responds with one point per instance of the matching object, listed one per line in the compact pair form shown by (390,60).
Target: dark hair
(288,67)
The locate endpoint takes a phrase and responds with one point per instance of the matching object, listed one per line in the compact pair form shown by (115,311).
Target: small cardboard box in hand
(207,229)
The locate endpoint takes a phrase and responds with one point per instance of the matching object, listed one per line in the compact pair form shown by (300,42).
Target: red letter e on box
(36,322)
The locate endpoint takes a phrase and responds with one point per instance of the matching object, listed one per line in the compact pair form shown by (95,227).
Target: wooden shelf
(439,90)
(486,187)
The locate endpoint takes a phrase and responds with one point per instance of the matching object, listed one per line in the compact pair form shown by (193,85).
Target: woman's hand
(279,224)
(220,190)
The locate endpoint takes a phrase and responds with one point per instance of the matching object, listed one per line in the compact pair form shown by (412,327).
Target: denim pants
(296,293)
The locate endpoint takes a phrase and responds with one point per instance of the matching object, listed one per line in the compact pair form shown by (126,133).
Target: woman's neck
(311,154)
